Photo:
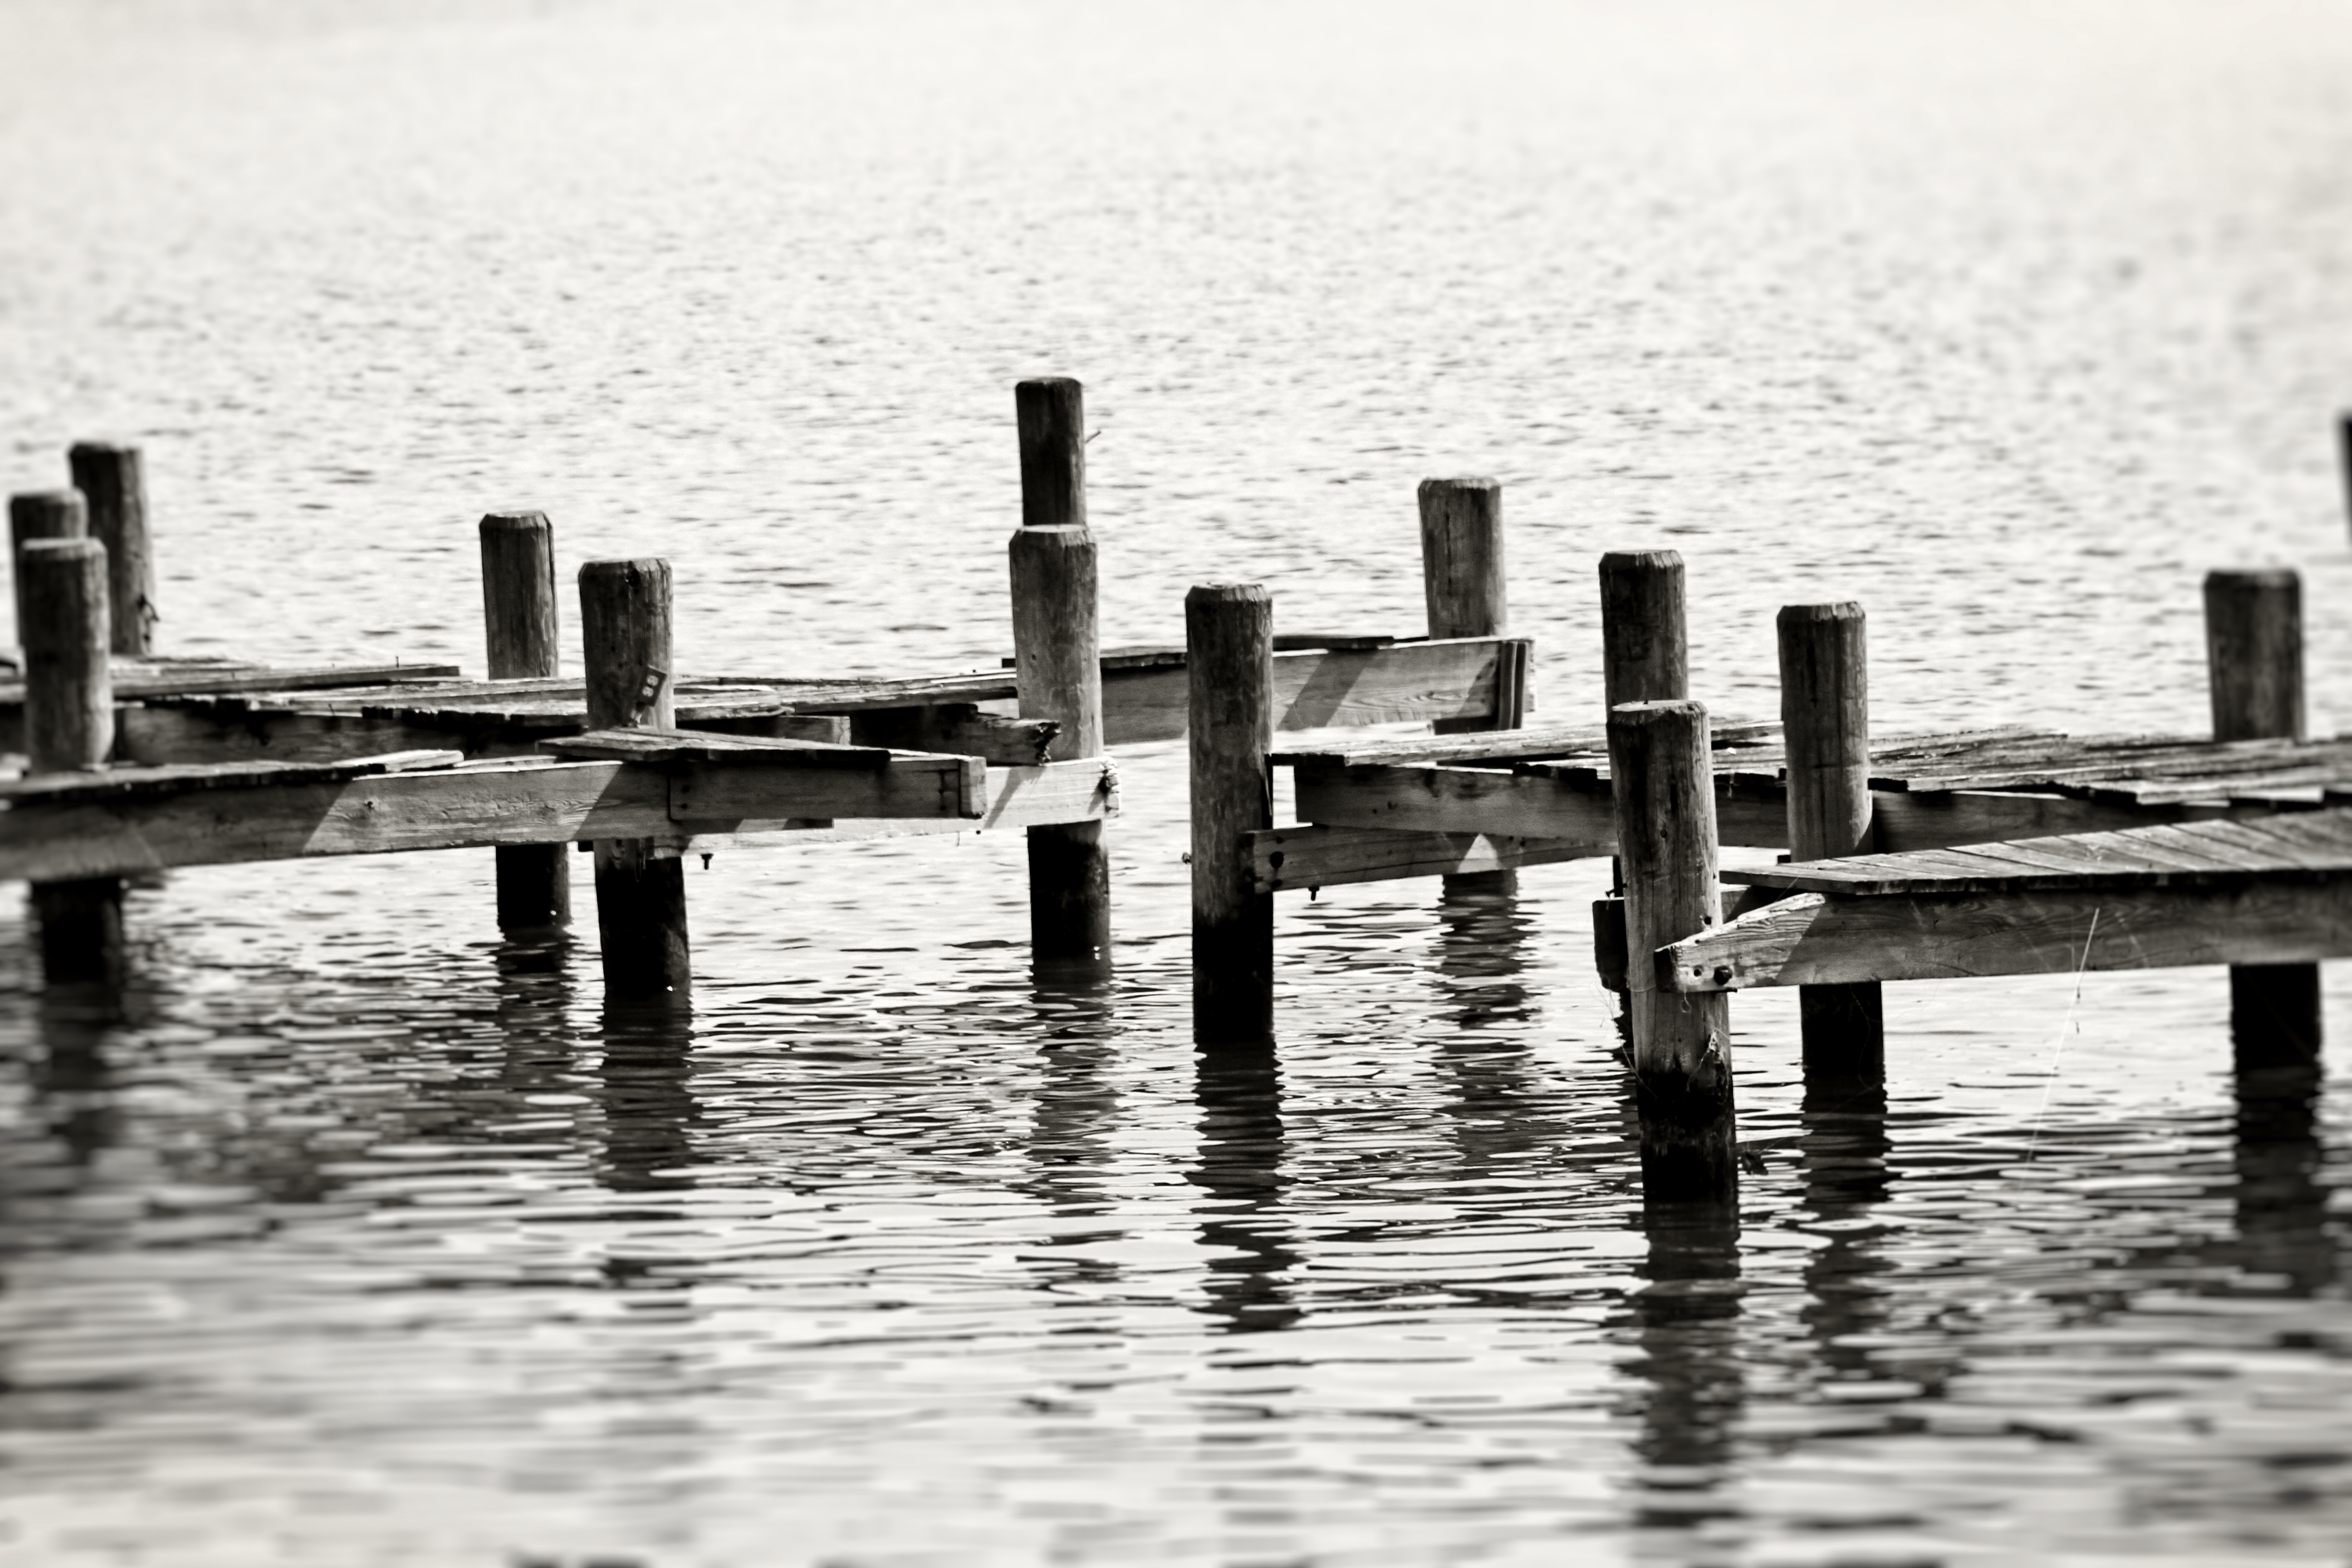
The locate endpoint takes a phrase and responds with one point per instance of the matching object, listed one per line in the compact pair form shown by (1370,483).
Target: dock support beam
(624,628)
(1057,660)
(1680,1044)
(113,482)
(2253,650)
(524,636)
(1826,720)
(70,726)
(1229,654)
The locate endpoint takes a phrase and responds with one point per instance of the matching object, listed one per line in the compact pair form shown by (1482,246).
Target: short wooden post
(524,635)
(624,630)
(1645,649)
(1825,722)
(1058,659)
(1229,655)
(41,514)
(1462,582)
(113,480)
(2253,653)
(70,727)
(1681,1043)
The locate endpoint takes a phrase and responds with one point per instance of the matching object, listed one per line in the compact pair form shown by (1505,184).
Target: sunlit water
(370,1240)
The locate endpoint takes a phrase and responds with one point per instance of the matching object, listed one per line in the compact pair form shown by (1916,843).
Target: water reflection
(1843,1151)
(648,1109)
(1069,1147)
(2281,1205)
(1685,1317)
(534,995)
(1239,1091)
(71,1078)
(1482,947)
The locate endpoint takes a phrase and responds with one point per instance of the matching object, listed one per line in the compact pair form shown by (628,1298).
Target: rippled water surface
(369,1239)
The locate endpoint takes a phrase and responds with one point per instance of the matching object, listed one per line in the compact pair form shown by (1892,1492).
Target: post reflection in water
(1239,1091)
(1685,1318)
(1844,1150)
(1069,1124)
(534,993)
(1482,943)
(69,1075)
(2281,1207)
(648,1110)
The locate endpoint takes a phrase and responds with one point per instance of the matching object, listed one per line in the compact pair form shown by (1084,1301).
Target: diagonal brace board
(1811,938)
(1283,858)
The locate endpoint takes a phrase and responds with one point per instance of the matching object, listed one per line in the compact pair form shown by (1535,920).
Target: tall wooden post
(1644,658)
(2344,456)
(524,635)
(1229,655)
(1825,721)
(624,630)
(1681,1043)
(1058,659)
(113,480)
(2253,653)
(70,727)
(41,514)
(1462,582)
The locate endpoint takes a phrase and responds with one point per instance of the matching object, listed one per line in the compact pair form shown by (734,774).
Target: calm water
(368,1240)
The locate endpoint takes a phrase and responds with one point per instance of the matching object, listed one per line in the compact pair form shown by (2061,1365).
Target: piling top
(30,504)
(2254,577)
(102,449)
(1465,482)
(1636,559)
(1656,711)
(1808,614)
(520,518)
(1228,594)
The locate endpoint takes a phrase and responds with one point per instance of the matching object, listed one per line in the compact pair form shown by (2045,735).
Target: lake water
(372,1240)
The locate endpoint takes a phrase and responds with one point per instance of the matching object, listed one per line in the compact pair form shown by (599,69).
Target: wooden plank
(1053,794)
(741,788)
(1903,821)
(136,782)
(1285,859)
(199,681)
(957,727)
(658,746)
(1319,687)
(1810,939)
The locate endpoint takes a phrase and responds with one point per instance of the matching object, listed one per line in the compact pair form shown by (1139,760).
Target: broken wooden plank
(1811,938)
(138,782)
(200,680)
(1283,858)
(957,727)
(1903,821)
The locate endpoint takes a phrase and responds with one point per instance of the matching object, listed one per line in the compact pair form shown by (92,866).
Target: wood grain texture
(629,675)
(1645,644)
(1463,585)
(68,699)
(1438,799)
(2253,649)
(522,625)
(1286,858)
(113,482)
(1825,730)
(40,515)
(1050,414)
(1229,636)
(1316,687)
(1812,937)
(1680,1045)
(957,727)
(646,743)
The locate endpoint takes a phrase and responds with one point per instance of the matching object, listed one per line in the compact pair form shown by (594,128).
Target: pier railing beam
(41,514)
(1058,659)
(524,636)
(2253,650)
(1229,655)
(1825,721)
(624,628)
(1465,587)
(1680,1044)
(70,727)
(113,482)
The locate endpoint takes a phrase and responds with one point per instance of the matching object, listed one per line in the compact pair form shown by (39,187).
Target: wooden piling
(1058,659)
(70,727)
(1825,721)
(524,636)
(1644,648)
(2253,653)
(1229,654)
(1463,585)
(41,514)
(113,481)
(1680,1044)
(624,630)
